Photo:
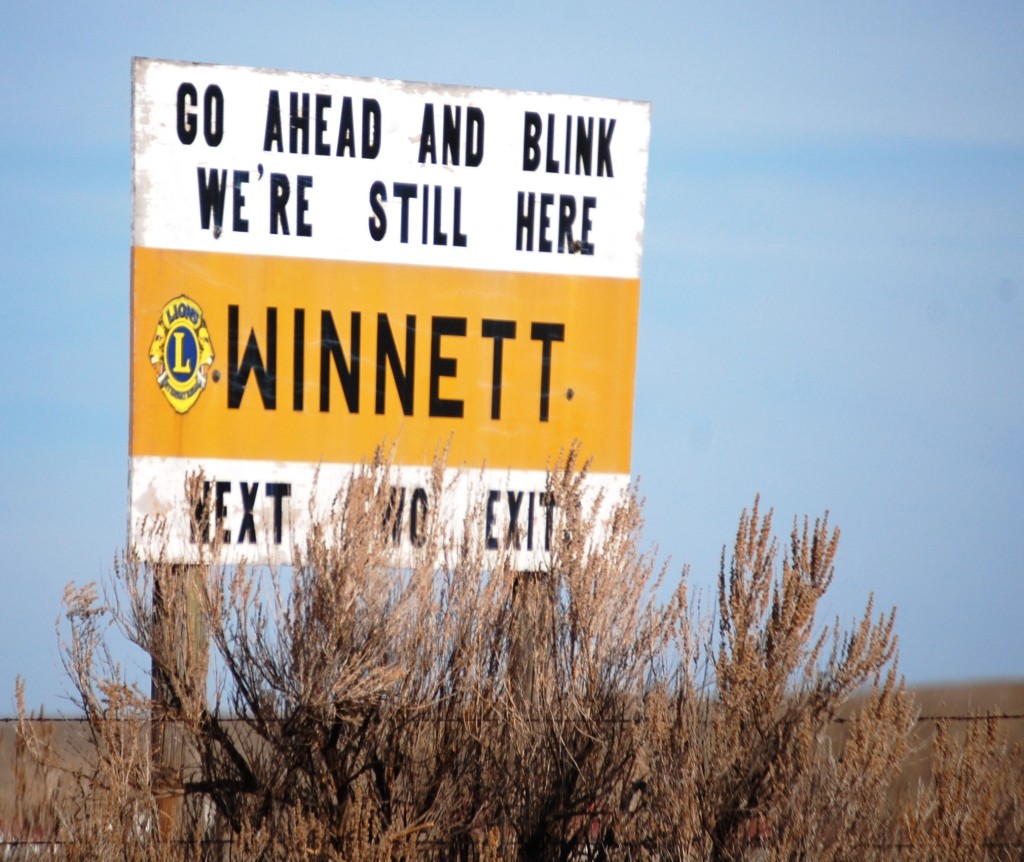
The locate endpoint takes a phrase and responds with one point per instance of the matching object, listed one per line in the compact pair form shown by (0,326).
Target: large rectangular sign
(321,265)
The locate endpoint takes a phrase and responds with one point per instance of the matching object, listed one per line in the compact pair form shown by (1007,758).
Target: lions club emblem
(181,353)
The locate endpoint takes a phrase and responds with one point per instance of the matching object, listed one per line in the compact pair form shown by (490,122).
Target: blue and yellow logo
(181,353)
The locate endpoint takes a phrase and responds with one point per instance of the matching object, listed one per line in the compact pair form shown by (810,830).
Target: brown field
(959,702)
(983,698)
(956,702)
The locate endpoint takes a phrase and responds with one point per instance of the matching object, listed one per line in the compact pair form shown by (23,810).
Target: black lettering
(387,351)
(531,141)
(568,141)
(298,123)
(474,137)
(320,146)
(458,237)
(568,213)
(550,165)
(371,128)
(238,223)
(213,115)
(547,500)
(222,489)
(393,513)
(247,531)
(187,100)
(499,330)
(299,360)
(347,130)
(330,350)
(405,192)
(524,220)
(444,366)
(452,130)
(200,528)
(418,515)
(278,491)
(252,362)
(212,190)
(515,503)
(566,216)
(428,145)
(604,147)
(302,228)
(589,203)
(273,134)
(379,220)
(491,540)
(200,523)
(546,333)
(529,524)
(543,243)
(440,238)
(584,144)
(426,214)
(280,191)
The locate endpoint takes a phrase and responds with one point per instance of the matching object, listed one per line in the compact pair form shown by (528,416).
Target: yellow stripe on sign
(321,361)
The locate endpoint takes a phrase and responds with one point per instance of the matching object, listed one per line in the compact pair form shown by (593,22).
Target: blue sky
(832,305)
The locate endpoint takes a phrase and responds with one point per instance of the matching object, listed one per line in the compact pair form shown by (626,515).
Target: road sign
(323,264)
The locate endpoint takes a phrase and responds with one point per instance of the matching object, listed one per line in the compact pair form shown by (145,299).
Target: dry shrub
(973,807)
(740,756)
(28,809)
(459,709)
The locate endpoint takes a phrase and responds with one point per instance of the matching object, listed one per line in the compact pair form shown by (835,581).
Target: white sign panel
(324,264)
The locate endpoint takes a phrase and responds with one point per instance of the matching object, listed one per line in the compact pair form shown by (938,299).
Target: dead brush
(30,811)
(739,756)
(456,708)
(973,806)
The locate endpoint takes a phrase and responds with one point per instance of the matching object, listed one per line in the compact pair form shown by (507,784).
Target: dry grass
(462,709)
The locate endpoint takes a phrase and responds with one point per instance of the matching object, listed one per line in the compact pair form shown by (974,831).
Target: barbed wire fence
(12,848)
(71,719)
